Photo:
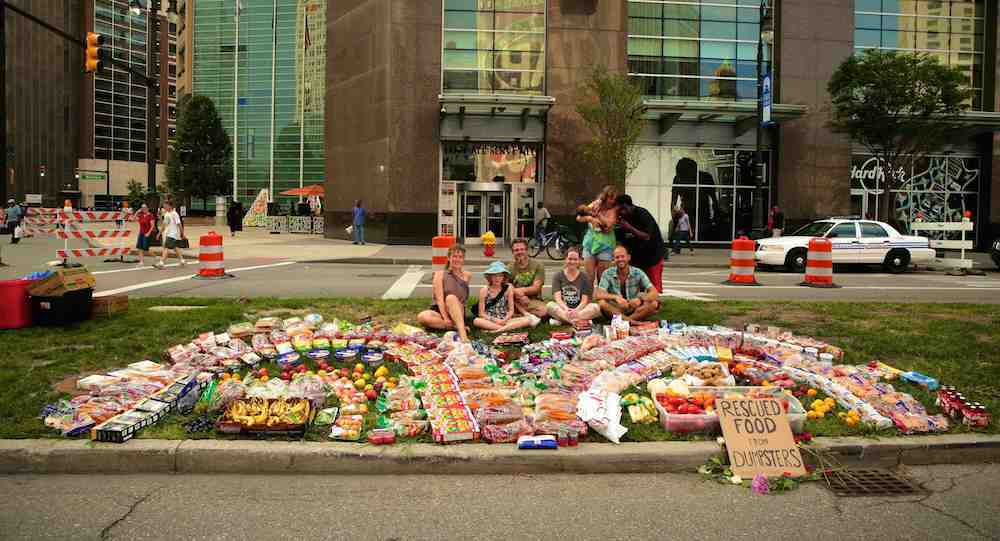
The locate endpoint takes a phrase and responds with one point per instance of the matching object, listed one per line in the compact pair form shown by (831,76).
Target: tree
(900,107)
(201,159)
(612,108)
(136,193)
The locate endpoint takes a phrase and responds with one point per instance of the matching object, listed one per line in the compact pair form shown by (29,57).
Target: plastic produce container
(17,304)
(709,423)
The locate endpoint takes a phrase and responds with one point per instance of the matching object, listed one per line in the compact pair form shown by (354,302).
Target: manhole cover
(850,483)
(376,276)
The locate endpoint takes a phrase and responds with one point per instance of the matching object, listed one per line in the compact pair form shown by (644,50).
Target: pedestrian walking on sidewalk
(147,224)
(234,217)
(682,231)
(777,221)
(13,219)
(358,224)
(172,232)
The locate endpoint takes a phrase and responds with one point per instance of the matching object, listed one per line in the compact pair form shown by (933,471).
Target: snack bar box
(63,281)
(124,426)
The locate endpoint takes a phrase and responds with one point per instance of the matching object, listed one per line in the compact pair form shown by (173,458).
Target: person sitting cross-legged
(572,290)
(496,303)
(626,290)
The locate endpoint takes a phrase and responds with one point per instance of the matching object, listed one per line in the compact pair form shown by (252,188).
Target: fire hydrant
(489,242)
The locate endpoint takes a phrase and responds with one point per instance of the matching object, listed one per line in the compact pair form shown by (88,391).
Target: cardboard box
(63,281)
(109,305)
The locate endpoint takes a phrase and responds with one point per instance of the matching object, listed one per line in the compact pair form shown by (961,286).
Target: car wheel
(795,261)
(896,261)
(996,261)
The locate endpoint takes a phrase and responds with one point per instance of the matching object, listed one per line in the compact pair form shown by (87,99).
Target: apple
(371,394)
(344,373)
(262,371)
(302,369)
(378,387)
(359,367)
(369,387)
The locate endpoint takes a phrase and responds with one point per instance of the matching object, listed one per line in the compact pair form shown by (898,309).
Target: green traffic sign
(93,176)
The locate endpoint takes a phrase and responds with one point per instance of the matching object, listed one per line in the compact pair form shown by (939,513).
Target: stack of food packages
(111,394)
(605,371)
(448,415)
(783,359)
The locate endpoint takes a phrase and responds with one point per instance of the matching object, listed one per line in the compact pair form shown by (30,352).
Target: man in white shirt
(172,232)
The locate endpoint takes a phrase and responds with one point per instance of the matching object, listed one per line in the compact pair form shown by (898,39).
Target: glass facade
(489,162)
(493,47)
(695,49)
(277,112)
(952,31)
(938,188)
(120,98)
(715,187)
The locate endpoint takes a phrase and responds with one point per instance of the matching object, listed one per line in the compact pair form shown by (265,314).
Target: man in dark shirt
(638,231)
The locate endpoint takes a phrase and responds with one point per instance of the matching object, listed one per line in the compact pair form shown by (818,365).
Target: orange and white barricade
(439,251)
(819,264)
(742,266)
(71,225)
(211,258)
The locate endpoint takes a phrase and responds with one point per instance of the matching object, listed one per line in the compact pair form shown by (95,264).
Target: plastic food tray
(709,423)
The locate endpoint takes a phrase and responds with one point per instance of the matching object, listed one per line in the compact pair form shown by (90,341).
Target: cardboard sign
(758,437)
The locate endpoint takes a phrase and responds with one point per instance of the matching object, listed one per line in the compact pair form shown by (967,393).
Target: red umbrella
(307,191)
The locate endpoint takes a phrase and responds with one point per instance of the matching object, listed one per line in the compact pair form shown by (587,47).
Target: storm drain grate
(848,483)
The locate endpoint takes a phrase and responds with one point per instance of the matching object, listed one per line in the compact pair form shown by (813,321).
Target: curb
(481,262)
(214,456)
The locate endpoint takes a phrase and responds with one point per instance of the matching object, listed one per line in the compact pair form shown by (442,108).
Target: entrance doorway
(864,203)
(481,212)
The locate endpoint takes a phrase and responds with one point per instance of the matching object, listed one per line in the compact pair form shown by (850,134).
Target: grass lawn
(956,343)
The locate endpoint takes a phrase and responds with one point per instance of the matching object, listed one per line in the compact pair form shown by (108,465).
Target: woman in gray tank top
(451,292)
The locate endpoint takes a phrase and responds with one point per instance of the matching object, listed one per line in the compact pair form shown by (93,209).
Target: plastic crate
(683,423)
(73,307)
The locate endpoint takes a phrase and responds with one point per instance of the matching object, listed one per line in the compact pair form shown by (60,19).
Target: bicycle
(555,242)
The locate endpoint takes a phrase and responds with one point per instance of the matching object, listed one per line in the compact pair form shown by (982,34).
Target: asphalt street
(962,504)
(260,277)
(281,270)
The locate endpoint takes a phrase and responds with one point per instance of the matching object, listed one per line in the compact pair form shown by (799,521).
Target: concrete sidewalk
(216,456)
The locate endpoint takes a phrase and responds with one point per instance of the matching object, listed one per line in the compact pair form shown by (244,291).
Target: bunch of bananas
(260,413)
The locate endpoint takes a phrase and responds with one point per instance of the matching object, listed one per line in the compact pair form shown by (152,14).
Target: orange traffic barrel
(819,264)
(741,263)
(210,257)
(439,251)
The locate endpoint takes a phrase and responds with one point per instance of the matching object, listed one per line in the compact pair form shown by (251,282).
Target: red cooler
(16,311)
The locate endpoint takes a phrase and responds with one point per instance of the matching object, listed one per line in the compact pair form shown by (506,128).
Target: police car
(853,241)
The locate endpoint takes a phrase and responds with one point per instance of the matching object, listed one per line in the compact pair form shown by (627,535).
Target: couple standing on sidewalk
(172,233)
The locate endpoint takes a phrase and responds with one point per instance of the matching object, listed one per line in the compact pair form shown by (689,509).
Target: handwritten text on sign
(758,437)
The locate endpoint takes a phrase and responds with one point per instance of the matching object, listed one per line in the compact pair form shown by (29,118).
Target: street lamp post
(766,36)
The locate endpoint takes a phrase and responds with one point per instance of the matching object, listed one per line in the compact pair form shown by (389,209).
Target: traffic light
(95,55)
(41,170)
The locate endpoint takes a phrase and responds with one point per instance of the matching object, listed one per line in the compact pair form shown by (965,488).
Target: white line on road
(704,273)
(676,283)
(898,288)
(405,285)
(176,279)
(704,297)
(133,269)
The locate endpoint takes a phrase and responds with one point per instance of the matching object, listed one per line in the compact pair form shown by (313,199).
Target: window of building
(490,162)
(716,187)
(495,46)
(951,31)
(695,49)
(935,189)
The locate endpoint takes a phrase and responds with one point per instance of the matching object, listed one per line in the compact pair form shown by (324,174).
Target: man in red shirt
(146,221)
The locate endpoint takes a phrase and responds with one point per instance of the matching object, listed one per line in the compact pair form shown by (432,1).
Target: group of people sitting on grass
(512,298)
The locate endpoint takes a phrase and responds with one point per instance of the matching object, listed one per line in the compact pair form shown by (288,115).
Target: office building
(263,63)
(44,77)
(458,116)
(113,129)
